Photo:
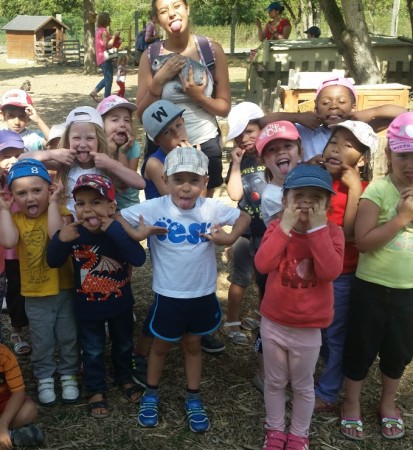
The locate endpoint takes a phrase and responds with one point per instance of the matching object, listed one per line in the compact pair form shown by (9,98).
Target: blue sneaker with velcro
(148,411)
(197,417)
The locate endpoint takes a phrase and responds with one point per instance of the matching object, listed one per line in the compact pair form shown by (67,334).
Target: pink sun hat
(400,133)
(337,81)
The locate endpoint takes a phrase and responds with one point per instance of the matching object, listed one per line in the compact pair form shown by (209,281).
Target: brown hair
(103,19)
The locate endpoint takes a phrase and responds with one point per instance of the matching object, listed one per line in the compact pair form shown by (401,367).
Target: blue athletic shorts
(170,318)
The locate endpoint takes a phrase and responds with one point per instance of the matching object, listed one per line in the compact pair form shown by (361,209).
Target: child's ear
(284,201)
(206,181)
(112,208)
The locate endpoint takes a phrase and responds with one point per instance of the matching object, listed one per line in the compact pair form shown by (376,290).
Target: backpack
(140,44)
(204,45)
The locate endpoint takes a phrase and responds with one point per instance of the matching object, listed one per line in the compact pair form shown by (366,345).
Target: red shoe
(297,442)
(274,440)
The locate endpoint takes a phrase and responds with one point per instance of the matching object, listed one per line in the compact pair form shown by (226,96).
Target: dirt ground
(236,408)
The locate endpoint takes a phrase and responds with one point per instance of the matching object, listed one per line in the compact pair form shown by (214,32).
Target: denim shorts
(170,318)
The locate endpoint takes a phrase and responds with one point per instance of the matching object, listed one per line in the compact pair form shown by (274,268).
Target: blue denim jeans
(106,82)
(331,380)
(93,339)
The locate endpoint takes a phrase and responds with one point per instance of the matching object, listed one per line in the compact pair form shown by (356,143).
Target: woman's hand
(169,70)
(189,86)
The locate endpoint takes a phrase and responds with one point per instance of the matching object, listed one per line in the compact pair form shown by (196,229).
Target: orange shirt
(11,378)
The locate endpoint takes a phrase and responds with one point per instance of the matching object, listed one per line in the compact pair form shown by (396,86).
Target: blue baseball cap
(315,31)
(10,139)
(27,168)
(308,176)
(158,116)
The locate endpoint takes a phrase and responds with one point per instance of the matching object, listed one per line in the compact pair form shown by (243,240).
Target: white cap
(84,114)
(362,132)
(240,115)
(56,131)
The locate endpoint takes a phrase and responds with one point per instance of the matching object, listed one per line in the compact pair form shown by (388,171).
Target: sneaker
(297,442)
(139,369)
(70,390)
(27,436)
(197,417)
(148,411)
(45,388)
(274,440)
(211,345)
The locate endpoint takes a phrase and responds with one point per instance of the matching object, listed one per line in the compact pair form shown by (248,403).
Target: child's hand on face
(69,233)
(32,113)
(64,156)
(236,154)
(102,161)
(128,144)
(317,216)
(6,200)
(317,160)
(350,177)
(310,120)
(289,218)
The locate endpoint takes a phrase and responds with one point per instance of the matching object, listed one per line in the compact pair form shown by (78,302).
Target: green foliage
(11,8)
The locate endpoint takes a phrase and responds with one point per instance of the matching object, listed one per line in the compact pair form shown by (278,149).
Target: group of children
(75,217)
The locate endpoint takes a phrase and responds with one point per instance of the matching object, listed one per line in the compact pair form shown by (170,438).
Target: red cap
(16,97)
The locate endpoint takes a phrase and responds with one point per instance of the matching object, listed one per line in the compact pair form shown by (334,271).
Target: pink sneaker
(274,440)
(297,442)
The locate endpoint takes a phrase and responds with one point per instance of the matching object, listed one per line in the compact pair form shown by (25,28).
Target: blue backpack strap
(207,53)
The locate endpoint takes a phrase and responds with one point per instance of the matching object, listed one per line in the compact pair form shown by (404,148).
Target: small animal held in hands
(198,68)
(26,86)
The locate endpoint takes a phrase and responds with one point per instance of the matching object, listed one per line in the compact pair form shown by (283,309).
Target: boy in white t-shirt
(184,274)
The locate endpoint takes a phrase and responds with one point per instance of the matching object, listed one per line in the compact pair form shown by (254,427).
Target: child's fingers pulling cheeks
(317,215)
(70,232)
(55,192)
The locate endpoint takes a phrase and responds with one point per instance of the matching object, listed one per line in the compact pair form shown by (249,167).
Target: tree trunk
(89,18)
(352,39)
(409,7)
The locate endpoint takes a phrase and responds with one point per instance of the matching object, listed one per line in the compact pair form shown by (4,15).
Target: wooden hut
(29,38)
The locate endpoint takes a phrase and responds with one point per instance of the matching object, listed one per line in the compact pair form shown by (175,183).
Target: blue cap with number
(27,168)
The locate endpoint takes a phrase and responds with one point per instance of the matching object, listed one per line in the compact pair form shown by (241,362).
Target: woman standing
(201,102)
(104,42)
(278,27)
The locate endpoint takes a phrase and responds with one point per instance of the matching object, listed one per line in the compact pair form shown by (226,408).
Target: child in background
(165,126)
(55,135)
(245,183)
(17,111)
(121,75)
(302,253)
(11,147)
(30,185)
(351,144)
(17,411)
(279,146)
(84,134)
(117,113)
(335,101)
(184,275)
(101,252)
(381,302)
